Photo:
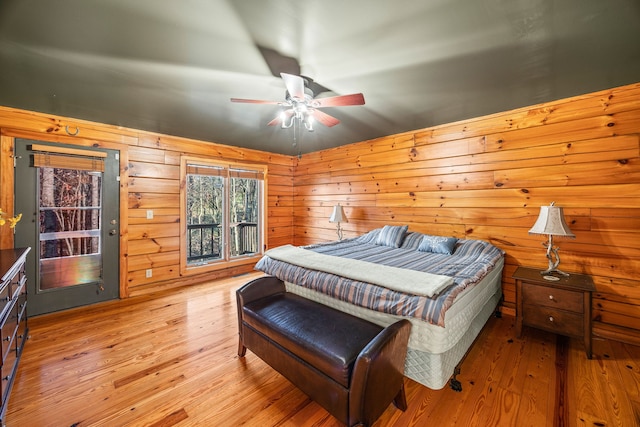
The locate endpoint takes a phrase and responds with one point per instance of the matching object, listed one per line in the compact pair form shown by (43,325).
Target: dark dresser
(13,318)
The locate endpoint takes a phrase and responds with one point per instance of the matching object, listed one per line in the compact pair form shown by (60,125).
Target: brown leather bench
(351,367)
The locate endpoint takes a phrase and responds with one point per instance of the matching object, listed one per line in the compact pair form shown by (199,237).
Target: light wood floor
(170,360)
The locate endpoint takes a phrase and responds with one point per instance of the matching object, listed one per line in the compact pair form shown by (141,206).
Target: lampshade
(551,222)
(338,214)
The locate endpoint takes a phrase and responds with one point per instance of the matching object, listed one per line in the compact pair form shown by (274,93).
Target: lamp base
(547,274)
(554,260)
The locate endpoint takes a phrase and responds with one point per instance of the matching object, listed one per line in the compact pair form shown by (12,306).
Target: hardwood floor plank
(538,390)
(311,414)
(170,359)
(514,372)
(560,412)
(172,419)
(600,392)
(503,409)
(425,404)
(636,411)
(628,358)
(479,376)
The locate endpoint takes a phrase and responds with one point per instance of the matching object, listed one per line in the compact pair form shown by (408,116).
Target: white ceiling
(171,66)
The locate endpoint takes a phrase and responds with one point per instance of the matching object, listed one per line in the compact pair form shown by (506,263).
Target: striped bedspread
(471,261)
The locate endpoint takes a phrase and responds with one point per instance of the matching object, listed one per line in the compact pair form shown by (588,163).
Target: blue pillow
(391,235)
(438,244)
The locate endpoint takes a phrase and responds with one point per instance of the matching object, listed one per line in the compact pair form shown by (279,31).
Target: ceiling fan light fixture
(283,119)
(308,121)
(303,116)
(301,105)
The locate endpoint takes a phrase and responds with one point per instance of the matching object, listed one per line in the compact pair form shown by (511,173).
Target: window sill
(219,265)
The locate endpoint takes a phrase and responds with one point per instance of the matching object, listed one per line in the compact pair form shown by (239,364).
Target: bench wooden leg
(242,350)
(400,401)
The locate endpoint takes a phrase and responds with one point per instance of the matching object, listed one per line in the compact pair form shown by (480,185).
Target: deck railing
(244,238)
(204,241)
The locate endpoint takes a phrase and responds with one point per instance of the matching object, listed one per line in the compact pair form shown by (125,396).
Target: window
(70,210)
(222,214)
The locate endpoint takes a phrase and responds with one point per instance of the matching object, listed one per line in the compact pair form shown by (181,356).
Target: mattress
(471,261)
(434,351)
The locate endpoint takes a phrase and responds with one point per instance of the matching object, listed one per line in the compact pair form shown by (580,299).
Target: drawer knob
(550,318)
(551,297)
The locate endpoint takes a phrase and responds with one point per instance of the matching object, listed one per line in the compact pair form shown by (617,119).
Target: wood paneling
(150,180)
(6,195)
(485,178)
(154,184)
(482,178)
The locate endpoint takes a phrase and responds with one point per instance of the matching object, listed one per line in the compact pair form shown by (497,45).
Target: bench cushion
(325,338)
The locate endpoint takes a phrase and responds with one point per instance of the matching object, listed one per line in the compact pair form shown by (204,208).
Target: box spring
(434,351)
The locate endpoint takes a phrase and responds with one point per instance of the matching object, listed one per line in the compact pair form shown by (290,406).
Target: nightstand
(562,306)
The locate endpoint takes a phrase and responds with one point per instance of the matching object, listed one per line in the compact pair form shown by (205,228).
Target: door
(69,200)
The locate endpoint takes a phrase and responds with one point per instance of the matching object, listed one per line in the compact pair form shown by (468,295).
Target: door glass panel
(70,214)
(244,198)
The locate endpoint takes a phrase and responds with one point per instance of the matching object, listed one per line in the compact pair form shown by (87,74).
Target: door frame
(102,284)
(7,183)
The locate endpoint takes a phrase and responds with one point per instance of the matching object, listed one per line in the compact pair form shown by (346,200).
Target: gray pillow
(438,244)
(391,235)
(411,241)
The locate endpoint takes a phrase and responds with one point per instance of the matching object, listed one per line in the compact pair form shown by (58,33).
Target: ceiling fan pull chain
(299,128)
(295,133)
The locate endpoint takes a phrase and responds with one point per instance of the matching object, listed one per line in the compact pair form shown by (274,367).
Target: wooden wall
(487,177)
(150,179)
(483,178)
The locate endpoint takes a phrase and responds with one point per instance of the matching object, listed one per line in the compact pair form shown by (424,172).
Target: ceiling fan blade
(324,118)
(279,63)
(255,101)
(279,118)
(294,84)
(315,87)
(339,101)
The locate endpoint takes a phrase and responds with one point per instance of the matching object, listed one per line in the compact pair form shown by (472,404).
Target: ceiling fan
(301,106)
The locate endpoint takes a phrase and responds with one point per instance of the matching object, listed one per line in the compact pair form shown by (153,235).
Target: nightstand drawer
(551,297)
(557,321)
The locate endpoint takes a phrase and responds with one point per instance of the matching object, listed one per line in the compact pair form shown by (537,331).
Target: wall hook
(72,134)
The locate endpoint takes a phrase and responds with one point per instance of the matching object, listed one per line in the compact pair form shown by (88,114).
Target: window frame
(227,261)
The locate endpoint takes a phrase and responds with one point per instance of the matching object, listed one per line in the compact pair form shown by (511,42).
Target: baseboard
(616,333)
(164,285)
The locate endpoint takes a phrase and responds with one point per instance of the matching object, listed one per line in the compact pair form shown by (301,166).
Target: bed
(447,287)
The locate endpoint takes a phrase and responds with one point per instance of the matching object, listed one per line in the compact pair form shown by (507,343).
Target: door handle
(113,232)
